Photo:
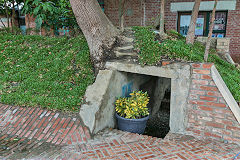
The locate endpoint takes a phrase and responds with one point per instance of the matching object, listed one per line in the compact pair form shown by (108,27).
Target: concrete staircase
(126,48)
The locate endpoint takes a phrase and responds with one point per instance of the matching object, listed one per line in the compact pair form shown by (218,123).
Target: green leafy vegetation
(151,52)
(133,107)
(51,13)
(50,72)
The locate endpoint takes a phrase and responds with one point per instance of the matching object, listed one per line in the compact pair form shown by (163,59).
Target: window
(220,23)
(202,24)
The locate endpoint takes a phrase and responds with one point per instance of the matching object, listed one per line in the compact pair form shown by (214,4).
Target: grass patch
(151,52)
(50,72)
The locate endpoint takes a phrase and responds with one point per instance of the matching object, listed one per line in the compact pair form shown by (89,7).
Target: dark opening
(159,90)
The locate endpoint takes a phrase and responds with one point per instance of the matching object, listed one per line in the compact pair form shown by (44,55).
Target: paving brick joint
(43,125)
(34,133)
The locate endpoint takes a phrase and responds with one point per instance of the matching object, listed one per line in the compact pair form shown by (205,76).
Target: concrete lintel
(227,95)
(173,71)
(205,6)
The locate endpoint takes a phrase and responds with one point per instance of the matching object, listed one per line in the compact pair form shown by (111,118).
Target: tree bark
(122,23)
(161,27)
(121,15)
(210,32)
(143,8)
(96,27)
(6,12)
(13,15)
(191,30)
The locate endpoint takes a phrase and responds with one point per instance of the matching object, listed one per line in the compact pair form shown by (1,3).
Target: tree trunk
(161,27)
(13,16)
(96,27)
(121,15)
(27,19)
(210,32)
(191,31)
(6,12)
(143,5)
(122,23)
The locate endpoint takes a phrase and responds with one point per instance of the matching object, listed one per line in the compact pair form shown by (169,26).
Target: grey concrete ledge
(174,71)
(227,95)
(204,6)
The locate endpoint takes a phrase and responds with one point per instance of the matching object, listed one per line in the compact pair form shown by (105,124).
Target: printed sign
(199,27)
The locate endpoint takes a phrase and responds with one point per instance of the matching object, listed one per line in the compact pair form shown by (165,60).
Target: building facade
(178,15)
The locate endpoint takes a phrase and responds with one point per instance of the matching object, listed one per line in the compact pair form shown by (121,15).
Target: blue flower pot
(132,125)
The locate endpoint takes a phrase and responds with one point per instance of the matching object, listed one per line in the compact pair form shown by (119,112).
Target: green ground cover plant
(152,51)
(51,72)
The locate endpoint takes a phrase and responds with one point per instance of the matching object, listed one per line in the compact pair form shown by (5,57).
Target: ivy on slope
(51,72)
(151,52)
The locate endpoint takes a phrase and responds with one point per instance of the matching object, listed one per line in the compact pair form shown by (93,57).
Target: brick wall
(233,31)
(31,24)
(30,21)
(152,9)
(133,12)
(171,17)
(208,113)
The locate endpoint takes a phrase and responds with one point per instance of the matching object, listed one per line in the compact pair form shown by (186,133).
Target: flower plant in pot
(132,112)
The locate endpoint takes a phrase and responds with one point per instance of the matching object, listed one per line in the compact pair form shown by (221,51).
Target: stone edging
(227,95)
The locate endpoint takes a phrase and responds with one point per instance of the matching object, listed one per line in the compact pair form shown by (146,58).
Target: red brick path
(43,134)
(40,124)
(133,146)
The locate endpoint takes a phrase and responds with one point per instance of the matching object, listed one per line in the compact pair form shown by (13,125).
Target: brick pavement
(43,125)
(121,145)
(18,140)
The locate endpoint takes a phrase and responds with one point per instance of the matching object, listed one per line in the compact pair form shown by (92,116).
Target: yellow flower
(134,106)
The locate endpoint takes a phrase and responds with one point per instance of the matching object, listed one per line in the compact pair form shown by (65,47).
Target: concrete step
(126,51)
(128,39)
(121,54)
(124,44)
(125,47)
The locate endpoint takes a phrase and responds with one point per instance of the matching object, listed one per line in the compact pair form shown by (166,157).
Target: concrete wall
(98,112)
(156,88)
(204,41)
(221,44)
(180,82)
(201,105)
